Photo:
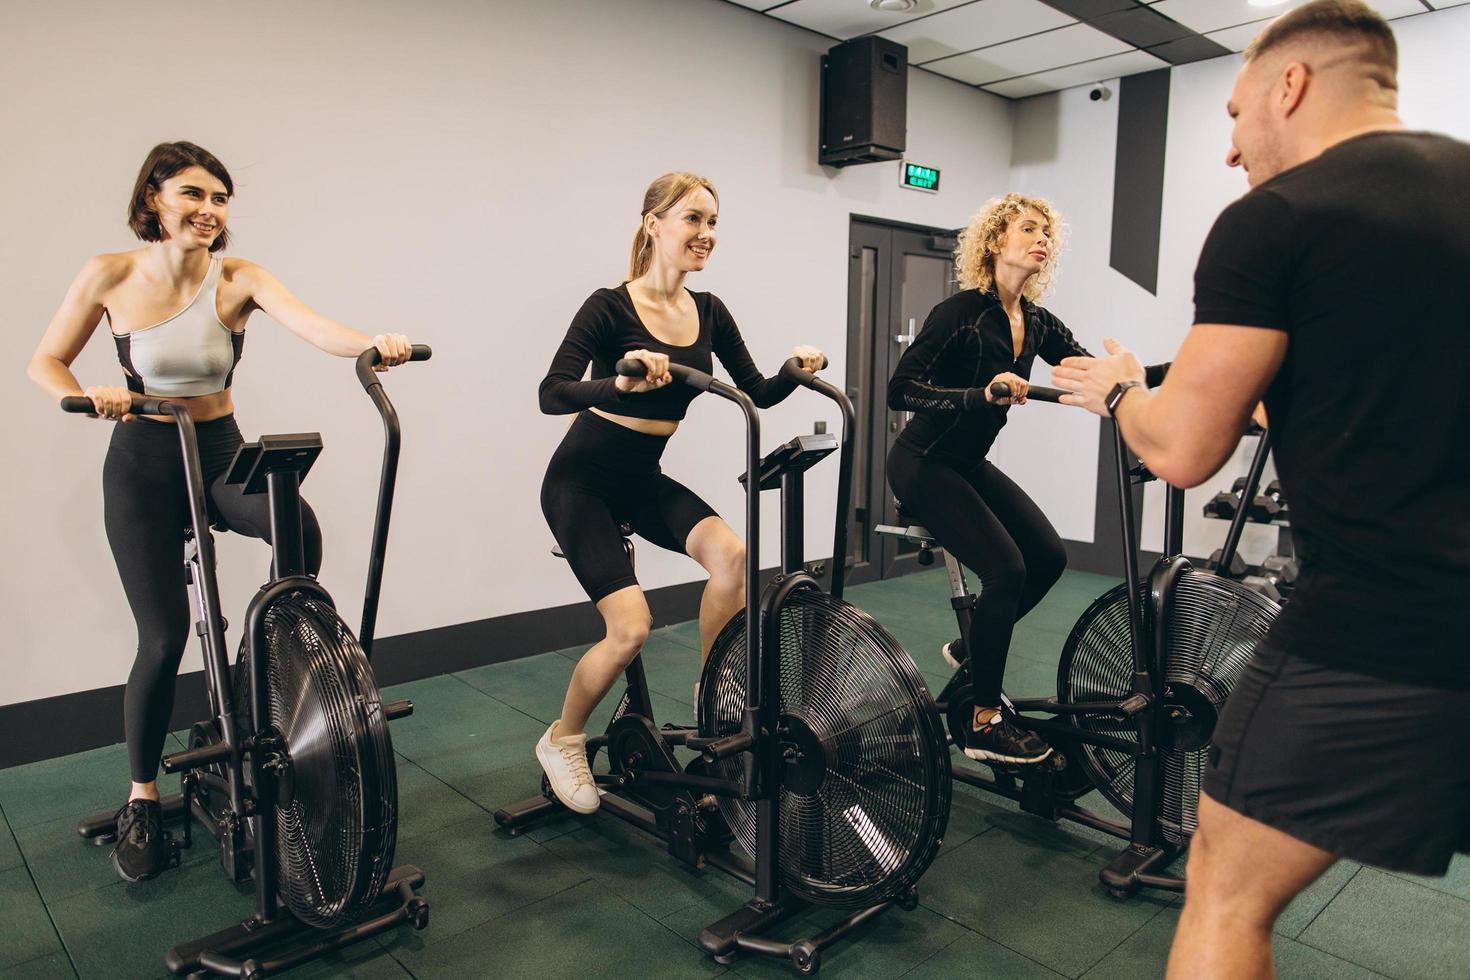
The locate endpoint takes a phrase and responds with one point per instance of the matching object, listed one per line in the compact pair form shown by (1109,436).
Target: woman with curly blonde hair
(992,330)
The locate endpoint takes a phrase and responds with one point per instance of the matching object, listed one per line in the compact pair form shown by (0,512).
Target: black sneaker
(143,848)
(1001,740)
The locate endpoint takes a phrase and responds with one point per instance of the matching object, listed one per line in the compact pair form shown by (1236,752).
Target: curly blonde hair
(974,255)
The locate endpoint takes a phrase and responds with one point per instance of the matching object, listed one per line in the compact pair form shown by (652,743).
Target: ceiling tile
(1039,52)
(1090,9)
(975,25)
(1442,4)
(1141,27)
(1188,49)
(1236,38)
(1099,70)
(1213,15)
(849,18)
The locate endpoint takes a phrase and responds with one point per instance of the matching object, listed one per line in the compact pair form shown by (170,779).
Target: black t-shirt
(607,327)
(1362,256)
(966,341)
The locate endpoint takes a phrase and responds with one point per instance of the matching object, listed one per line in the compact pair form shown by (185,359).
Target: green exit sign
(918,178)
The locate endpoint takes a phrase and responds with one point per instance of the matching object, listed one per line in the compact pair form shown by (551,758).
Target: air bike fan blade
(865,789)
(338,788)
(1213,629)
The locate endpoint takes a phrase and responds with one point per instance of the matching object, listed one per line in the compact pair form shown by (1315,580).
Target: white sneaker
(564,760)
(948,652)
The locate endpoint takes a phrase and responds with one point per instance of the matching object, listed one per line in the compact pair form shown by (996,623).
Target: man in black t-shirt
(1347,736)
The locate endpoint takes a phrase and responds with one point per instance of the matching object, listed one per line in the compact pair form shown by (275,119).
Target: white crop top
(191,353)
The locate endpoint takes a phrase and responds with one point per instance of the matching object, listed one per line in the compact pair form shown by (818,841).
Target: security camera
(1100,94)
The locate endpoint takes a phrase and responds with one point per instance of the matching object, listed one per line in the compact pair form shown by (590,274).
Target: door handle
(905,338)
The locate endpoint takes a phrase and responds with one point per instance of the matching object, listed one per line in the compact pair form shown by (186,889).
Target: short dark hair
(165,160)
(1345,21)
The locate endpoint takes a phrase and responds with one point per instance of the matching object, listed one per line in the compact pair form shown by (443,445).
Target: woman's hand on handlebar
(111,402)
(1090,379)
(1018,386)
(658,372)
(393,348)
(812,359)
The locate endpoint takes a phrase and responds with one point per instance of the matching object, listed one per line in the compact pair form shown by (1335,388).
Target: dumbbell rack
(1278,573)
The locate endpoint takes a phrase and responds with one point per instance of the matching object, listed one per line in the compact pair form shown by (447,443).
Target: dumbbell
(1281,570)
(1262,585)
(1268,506)
(1237,568)
(1223,505)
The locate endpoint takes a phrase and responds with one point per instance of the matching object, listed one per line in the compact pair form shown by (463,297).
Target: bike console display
(254,461)
(796,456)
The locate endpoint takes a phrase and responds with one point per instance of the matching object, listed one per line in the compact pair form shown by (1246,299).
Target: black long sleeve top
(941,378)
(608,326)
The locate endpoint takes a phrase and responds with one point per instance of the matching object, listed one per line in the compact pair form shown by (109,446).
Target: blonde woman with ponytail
(606,470)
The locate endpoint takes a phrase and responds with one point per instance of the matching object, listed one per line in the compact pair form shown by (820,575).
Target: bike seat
(625,529)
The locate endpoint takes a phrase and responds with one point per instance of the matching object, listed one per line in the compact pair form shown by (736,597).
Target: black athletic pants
(982,518)
(146,508)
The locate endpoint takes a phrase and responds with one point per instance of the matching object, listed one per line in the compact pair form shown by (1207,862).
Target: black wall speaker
(865,86)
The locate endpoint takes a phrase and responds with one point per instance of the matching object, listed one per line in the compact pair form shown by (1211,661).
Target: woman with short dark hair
(177,313)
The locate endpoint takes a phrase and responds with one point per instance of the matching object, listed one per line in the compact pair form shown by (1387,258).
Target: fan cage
(1214,627)
(337,831)
(867,827)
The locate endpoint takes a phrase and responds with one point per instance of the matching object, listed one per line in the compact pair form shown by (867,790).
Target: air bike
(1141,680)
(822,770)
(292,774)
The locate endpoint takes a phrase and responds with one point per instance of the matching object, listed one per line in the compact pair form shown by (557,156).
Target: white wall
(460,170)
(1064,150)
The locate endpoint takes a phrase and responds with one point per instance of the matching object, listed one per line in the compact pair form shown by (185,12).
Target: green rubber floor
(1009,896)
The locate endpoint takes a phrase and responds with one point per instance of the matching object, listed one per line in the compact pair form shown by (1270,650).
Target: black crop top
(607,327)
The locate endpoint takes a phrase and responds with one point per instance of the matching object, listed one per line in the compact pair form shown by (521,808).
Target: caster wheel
(909,902)
(546,787)
(418,913)
(1119,894)
(102,840)
(250,970)
(806,957)
(724,959)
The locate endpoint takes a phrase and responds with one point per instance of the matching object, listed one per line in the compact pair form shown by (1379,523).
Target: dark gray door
(895,277)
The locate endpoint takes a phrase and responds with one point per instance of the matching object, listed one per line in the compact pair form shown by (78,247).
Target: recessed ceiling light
(893,6)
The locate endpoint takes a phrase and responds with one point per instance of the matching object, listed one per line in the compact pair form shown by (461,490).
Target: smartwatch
(1119,390)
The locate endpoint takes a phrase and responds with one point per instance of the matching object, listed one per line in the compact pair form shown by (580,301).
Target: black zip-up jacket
(941,378)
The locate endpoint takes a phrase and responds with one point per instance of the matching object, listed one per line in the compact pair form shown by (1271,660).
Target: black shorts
(604,474)
(1369,769)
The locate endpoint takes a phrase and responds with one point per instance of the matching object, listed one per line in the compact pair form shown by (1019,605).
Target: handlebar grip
(82,405)
(632,367)
(793,371)
(370,359)
(1039,393)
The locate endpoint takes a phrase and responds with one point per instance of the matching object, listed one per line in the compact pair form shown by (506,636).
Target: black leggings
(146,508)
(982,518)
(604,474)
